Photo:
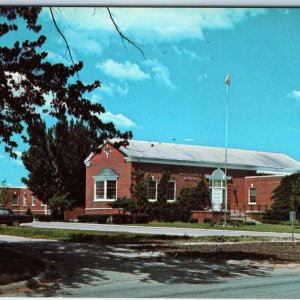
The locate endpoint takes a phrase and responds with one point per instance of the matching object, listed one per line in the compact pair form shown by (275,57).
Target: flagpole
(227,82)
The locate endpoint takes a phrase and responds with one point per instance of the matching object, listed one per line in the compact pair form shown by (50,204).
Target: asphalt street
(105,271)
(156,230)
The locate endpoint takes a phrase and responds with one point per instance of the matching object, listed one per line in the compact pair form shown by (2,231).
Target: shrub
(209,221)
(251,223)
(28,212)
(122,219)
(124,205)
(43,218)
(193,220)
(235,223)
(92,218)
(141,219)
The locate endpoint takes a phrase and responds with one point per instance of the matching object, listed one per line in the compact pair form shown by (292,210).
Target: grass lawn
(257,227)
(113,237)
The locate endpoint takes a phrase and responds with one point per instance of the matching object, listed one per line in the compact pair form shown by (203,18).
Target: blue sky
(177,92)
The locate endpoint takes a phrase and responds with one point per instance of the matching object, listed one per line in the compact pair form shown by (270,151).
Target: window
(111,189)
(252,195)
(15,200)
(24,200)
(105,185)
(152,190)
(99,189)
(106,190)
(171,192)
(33,200)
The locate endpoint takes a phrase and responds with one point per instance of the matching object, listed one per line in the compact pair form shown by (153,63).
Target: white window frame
(249,189)
(17,198)
(25,203)
(172,200)
(33,203)
(100,178)
(153,200)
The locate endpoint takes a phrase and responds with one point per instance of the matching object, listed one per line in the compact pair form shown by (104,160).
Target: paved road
(102,271)
(156,230)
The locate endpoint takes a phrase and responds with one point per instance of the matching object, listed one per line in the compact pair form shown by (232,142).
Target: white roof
(208,156)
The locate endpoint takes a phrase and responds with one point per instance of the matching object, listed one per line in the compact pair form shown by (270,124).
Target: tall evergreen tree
(163,186)
(55,161)
(138,189)
(286,197)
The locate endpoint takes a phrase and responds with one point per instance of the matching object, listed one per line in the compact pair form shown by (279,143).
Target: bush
(193,220)
(124,205)
(249,223)
(43,218)
(122,219)
(141,219)
(100,219)
(209,221)
(235,223)
(28,212)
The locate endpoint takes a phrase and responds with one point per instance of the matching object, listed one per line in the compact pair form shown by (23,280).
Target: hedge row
(115,219)
(43,218)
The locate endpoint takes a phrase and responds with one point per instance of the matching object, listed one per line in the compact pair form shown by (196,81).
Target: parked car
(8,217)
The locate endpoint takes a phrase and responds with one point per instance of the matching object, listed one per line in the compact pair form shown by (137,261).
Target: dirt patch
(17,266)
(272,251)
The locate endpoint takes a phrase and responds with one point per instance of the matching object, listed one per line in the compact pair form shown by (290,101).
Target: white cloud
(112,89)
(18,162)
(202,77)
(2,156)
(188,140)
(160,72)
(119,120)
(190,54)
(57,58)
(154,24)
(18,153)
(295,94)
(121,71)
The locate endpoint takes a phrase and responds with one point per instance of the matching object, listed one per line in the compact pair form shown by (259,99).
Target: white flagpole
(227,81)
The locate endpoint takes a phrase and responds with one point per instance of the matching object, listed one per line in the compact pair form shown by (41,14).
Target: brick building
(21,198)
(251,175)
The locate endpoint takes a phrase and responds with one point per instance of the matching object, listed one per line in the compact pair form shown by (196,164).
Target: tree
(4,193)
(162,188)
(286,197)
(193,198)
(58,204)
(139,189)
(54,161)
(27,79)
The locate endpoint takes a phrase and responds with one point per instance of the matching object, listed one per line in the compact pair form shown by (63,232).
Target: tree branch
(123,37)
(62,35)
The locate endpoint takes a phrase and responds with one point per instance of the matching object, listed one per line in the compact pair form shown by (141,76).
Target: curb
(29,283)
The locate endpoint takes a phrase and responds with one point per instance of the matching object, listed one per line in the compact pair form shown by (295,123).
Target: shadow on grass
(74,265)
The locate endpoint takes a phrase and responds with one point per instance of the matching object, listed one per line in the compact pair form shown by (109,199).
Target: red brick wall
(21,208)
(264,187)
(183,175)
(188,176)
(115,161)
(214,216)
